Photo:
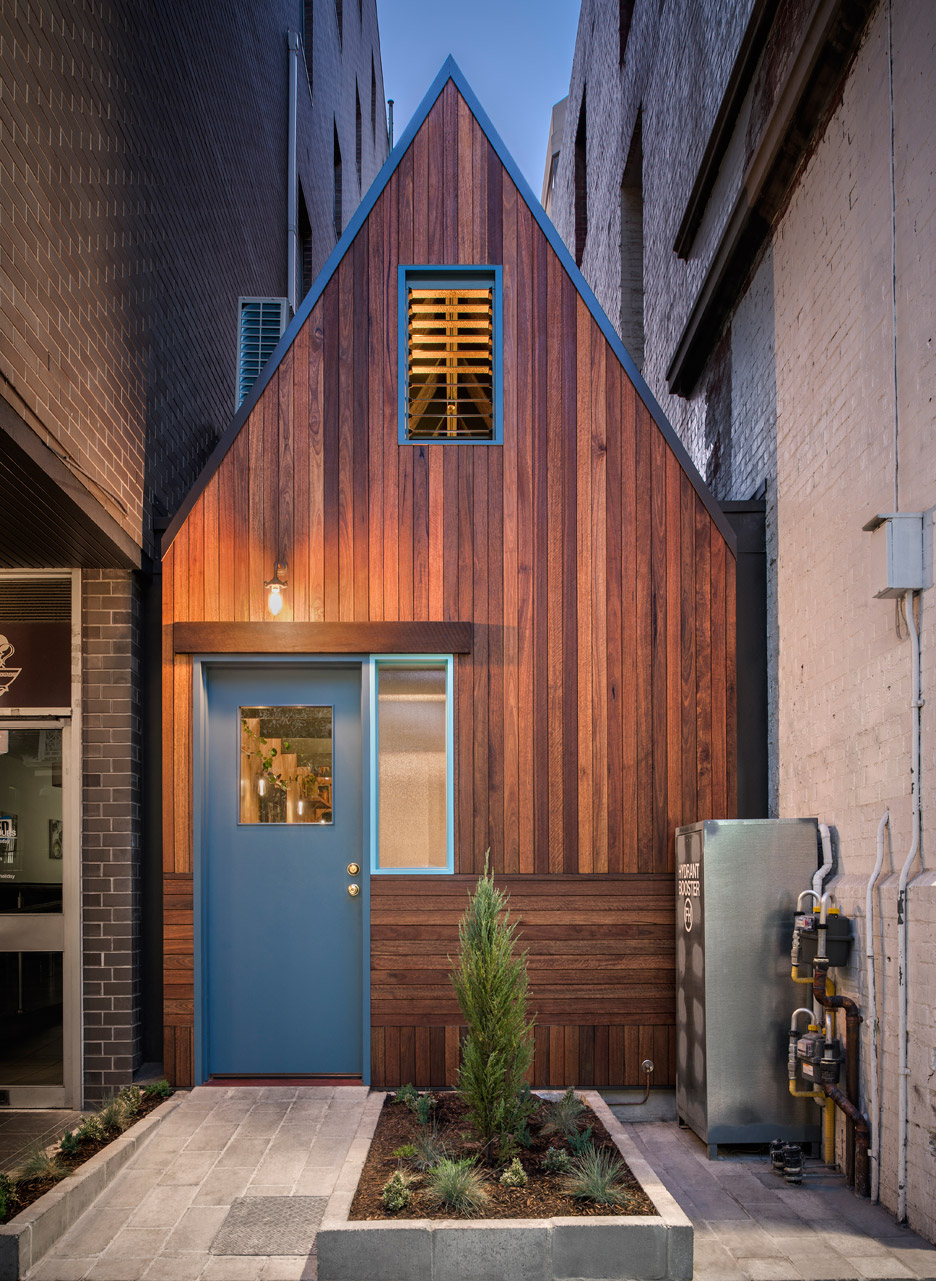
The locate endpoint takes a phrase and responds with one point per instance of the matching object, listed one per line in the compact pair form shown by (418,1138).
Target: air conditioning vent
(261,322)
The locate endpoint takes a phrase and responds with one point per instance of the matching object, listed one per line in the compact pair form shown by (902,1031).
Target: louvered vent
(262,321)
(450,367)
(35,600)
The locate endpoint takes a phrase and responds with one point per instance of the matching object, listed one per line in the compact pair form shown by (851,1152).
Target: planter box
(27,1237)
(633,1248)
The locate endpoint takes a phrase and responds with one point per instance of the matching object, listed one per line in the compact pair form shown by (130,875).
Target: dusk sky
(515,54)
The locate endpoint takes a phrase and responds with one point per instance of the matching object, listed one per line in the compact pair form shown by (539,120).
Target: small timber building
(449,583)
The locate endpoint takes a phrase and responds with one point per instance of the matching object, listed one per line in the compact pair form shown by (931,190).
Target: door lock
(353,869)
(354,890)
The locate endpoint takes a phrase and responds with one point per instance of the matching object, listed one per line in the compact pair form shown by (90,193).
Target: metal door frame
(201,667)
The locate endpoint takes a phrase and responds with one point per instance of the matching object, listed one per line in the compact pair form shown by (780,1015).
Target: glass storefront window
(286,764)
(31,824)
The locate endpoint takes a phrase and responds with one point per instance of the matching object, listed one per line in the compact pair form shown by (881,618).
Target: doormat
(270,1225)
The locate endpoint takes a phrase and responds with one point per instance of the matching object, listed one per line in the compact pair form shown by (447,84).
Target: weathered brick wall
(798,398)
(111,830)
(142,190)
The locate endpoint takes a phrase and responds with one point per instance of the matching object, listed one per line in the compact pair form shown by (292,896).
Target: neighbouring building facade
(449,585)
(172,178)
(749,191)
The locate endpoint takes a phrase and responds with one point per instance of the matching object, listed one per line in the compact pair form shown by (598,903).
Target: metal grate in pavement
(278,1225)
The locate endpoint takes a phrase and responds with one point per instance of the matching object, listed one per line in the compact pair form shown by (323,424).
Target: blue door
(283,822)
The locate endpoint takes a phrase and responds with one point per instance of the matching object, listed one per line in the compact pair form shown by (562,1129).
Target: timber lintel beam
(275,637)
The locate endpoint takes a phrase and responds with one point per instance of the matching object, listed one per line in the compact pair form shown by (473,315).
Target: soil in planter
(25,1191)
(543,1197)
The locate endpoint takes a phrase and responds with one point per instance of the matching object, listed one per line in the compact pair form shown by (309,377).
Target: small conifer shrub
(407,1094)
(160,1089)
(557,1161)
(406,1151)
(581,1141)
(491,985)
(424,1105)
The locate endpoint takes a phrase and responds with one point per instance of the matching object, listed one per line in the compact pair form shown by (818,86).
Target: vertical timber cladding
(595,712)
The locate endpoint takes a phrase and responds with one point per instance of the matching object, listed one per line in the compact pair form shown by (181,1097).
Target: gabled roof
(451,71)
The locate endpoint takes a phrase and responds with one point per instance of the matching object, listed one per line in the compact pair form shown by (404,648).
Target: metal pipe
(853,1022)
(826,868)
(903,1069)
(292,182)
(390,122)
(862,1136)
(875,1153)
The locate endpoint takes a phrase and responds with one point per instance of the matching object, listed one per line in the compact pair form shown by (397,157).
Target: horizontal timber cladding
(600,964)
(595,710)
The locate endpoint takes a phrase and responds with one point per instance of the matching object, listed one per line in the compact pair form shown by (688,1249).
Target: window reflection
(411,767)
(286,765)
(31,825)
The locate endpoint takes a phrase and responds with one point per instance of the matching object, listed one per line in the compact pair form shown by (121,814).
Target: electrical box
(736,887)
(904,552)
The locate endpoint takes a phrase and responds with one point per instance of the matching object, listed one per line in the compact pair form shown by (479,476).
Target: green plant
(562,1115)
(406,1151)
(407,1094)
(523,1135)
(130,1099)
(557,1161)
(7,1197)
(491,984)
(112,1115)
(69,1143)
(430,1149)
(458,1185)
(581,1141)
(595,1177)
(42,1164)
(90,1130)
(514,1176)
(395,1193)
(160,1089)
(424,1105)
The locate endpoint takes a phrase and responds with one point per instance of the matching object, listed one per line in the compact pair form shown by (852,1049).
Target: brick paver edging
(27,1237)
(638,1247)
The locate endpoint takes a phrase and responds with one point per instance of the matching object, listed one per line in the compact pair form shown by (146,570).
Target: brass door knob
(354,890)
(353,869)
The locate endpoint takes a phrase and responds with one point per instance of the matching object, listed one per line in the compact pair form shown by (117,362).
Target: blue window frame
(412,772)
(450,322)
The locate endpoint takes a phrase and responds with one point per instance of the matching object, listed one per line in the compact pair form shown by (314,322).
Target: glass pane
(31,1018)
(31,820)
(286,765)
(411,767)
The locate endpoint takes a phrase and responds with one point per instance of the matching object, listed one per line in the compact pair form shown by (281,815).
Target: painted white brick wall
(809,360)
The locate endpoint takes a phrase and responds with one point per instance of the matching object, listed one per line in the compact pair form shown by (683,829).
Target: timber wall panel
(595,711)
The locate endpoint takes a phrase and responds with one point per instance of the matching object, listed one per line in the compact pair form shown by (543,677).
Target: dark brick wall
(111,829)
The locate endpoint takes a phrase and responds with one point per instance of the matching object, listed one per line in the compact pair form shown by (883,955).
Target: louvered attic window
(450,384)
(260,326)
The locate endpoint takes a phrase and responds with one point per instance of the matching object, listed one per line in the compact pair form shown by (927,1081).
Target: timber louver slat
(595,709)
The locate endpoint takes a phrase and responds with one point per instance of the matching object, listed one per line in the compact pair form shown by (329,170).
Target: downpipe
(903,1069)
(292,183)
(875,1153)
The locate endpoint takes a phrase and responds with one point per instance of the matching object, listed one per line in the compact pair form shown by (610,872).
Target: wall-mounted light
(276,586)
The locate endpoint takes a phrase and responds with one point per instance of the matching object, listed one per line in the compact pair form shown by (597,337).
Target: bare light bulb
(261,787)
(299,806)
(275,599)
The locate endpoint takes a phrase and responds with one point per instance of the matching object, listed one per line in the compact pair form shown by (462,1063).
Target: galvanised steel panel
(736,887)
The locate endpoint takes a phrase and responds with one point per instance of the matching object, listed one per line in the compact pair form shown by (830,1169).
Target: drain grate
(270,1225)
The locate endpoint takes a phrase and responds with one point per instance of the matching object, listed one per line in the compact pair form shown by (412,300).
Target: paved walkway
(751,1226)
(167,1214)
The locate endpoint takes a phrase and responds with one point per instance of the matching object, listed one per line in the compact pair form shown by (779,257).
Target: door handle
(354,890)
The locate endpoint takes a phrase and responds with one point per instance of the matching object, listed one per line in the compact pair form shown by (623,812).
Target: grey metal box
(736,887)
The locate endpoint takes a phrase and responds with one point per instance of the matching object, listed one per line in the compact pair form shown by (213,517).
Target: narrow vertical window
(357,132)
(632,283)
(373,99)
(306,253)
(625,17)
(581,185)
(450,374)
(339,14)
(337,197)
(413,765)
(307,37)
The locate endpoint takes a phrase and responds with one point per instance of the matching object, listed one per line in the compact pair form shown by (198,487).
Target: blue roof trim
(451,71)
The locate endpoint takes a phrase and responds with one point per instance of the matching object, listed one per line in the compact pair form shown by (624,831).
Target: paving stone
(269,1189)
(287,1268)
(137,1243)
(746,1240)
(93,1232)
(712,1262)
(60,1269)
(879,1266)
(196,1230)
(268,1225)
(163,1207)
(223,1187)
(175,1267)
(769,1270)
(211,1137)
(189,1167)
(232,1267)
(108,1268)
